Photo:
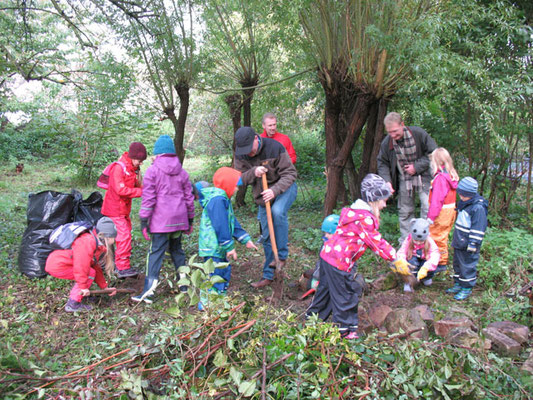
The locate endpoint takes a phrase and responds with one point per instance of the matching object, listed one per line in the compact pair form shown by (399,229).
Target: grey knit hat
(467,187)
(374,188)
(106,226)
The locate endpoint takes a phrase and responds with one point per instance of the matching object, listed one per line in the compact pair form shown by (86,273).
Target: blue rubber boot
(455,289)
(463,294)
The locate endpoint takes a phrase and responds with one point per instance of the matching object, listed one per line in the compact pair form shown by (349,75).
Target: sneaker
(183,288)
(126,273)
(352,335)
(407,288)
(75,306)
(140,297)
(427,282)
(455,289)
(463,294)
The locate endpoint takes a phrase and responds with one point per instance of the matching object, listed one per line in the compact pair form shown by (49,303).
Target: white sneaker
(427,282)
(407,288)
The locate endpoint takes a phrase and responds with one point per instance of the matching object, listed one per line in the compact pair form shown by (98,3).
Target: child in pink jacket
(338,292)
(420,251)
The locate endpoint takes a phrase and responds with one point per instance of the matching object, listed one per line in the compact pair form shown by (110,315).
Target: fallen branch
(402,336)
(106,291)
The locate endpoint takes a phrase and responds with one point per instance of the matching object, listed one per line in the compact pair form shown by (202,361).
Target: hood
(168,164)
(125,158)
(446,175)
(477,199)
(226,178)
(352,213)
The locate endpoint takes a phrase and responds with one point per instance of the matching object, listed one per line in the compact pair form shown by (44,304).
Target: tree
(364,52)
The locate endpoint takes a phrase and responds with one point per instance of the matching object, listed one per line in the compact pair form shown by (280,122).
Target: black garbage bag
(46,211)
(89,209)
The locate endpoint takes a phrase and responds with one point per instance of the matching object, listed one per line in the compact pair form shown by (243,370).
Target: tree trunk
(234,102)
(248,94)
(351,174)
(357,120)
(182,88)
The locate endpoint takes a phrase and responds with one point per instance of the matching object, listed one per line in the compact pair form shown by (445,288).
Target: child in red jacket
(83,262)
(124,184)
(338,292)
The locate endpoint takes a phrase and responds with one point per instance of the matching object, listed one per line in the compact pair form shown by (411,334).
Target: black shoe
(126,273)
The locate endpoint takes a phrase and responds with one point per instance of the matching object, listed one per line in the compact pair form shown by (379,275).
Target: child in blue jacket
(218,225)
(468,235)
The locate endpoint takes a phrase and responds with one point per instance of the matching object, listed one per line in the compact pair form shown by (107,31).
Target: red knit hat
(137,151)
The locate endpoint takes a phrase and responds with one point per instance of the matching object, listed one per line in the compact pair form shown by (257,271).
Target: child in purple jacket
(167,211)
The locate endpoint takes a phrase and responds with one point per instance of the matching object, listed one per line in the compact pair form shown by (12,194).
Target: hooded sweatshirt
(442,194)
(471,223)
(218,225)
(167,199)
(123,186)
(357,231)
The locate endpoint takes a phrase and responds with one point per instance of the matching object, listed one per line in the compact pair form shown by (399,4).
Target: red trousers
(122,242)
(59,271)
(440,230)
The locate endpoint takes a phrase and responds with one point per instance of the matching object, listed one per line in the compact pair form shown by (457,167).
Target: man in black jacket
(403,161)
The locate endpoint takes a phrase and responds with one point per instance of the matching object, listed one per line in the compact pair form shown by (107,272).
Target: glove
(471,248)
(144,228)
(401,267)
(422,273)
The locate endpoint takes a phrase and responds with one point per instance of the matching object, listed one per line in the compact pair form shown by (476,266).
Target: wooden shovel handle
(270,223)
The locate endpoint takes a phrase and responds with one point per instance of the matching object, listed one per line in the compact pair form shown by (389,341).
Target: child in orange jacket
(124,185)
(83,262)
(441,213)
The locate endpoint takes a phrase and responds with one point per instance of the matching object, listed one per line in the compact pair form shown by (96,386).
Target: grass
(39,339)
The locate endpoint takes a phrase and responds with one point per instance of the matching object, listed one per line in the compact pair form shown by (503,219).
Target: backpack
(103,180)
(64,235)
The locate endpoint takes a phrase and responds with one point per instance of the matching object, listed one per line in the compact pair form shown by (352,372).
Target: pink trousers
(68,273)
(122,242)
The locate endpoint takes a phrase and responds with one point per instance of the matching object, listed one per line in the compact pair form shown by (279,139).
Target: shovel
(277,286)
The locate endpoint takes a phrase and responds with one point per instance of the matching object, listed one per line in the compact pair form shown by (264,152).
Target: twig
(106,291)
(263,382)
(402,336)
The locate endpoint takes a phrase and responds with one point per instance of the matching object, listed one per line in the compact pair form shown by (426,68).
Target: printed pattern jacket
(357,231)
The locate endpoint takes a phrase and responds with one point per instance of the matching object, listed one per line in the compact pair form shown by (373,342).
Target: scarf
(405,150)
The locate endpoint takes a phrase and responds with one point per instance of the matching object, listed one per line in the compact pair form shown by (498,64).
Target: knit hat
(374,188)
(164,145)
(226,178)
(106,226)
(467,187)
(244,140)
(197,189)
(329,225)
(419,229)
(137,151)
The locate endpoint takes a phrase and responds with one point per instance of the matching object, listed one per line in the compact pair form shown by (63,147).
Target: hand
(144,228)
(267,195)
(251,245)
(410,169)
(422,273)
(113,291)
(231,254)
(401,267)
(471,249)
(259,171)
(85,292)
(390,187)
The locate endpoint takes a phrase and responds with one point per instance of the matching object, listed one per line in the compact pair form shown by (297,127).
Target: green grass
(39,339)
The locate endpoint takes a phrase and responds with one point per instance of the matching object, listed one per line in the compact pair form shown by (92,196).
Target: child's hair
(109,261)
(411,247)
(374,205)
(441,157)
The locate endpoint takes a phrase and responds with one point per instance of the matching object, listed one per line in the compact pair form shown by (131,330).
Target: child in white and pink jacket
(421,252)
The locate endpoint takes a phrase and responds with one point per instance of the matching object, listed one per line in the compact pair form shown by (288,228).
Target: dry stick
(106,291)
(263,381)
(402,336)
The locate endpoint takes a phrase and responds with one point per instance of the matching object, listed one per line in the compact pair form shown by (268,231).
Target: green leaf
(235,375)
(247,388)
(173,311)
(197,277)
(216,279)
(220,359)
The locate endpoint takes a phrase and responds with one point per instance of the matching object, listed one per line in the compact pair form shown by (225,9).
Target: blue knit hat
(164,145)
(467,187)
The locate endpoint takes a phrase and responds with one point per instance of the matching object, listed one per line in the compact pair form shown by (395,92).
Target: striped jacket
(471,224)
